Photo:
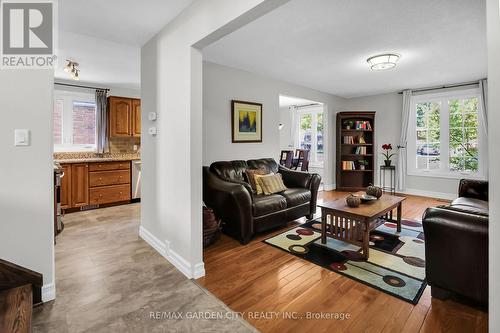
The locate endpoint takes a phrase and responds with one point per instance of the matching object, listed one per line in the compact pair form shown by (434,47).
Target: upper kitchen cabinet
(124,117)
(136,117)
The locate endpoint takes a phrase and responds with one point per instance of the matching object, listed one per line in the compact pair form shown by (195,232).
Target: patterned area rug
(396,264)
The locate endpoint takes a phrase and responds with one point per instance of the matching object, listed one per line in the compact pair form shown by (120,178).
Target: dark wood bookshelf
(357,179)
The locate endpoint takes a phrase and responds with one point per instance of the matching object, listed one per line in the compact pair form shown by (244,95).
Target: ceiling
(286,101)
(105,37)
(324,44)
(129,22)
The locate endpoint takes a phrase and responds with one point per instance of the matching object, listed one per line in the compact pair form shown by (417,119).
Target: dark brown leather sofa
(456,244)
(243,212)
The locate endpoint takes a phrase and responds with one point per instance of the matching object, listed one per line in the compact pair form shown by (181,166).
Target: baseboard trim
(329,187)
(190,271)
(431,194)
(48,292)
(155,243)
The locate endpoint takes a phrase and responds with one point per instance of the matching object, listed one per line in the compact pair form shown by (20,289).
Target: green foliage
(305,121)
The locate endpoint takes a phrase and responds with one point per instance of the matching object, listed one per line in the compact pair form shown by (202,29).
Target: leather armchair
(456,244)
(243,212)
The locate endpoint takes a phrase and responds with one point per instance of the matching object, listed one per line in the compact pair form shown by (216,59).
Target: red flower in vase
(387,146)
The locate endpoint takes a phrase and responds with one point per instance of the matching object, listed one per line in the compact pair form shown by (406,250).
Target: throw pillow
(272,184)
(250,175)
(259,187)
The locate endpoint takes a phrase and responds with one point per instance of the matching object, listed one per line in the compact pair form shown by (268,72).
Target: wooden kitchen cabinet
(124,117)
(136,117)
(66,187)
(95,183)
(79,185)
(120,117)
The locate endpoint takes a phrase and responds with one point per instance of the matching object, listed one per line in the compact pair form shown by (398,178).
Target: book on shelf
(348,165)
(360,151)
(348,139)
(363,125)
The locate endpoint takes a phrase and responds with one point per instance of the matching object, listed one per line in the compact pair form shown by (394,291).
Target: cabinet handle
(100,195)
(100,178)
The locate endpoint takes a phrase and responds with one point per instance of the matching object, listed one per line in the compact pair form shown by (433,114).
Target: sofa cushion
(296,196)
(470,205)
(267,164)
(267,204)
(229,170)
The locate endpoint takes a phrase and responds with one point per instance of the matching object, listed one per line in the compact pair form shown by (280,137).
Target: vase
(361,167)
(387,163)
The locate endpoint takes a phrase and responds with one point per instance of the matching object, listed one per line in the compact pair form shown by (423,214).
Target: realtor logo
(27,34)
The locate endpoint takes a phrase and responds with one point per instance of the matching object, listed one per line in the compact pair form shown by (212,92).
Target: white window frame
(69,97)
(444,171)
(314,111)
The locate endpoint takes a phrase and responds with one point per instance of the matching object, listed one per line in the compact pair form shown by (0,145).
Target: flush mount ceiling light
(383,61)
(72,68)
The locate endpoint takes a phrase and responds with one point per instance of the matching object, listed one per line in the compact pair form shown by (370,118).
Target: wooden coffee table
(353,225)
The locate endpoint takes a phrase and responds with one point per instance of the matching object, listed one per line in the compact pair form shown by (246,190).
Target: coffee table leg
(323,226)
(366,241)
(399,212)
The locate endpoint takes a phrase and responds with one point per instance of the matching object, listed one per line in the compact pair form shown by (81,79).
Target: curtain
(483,90)
(405,121)
(102,121)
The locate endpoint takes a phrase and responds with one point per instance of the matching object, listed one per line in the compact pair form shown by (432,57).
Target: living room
(355,120)
(424,168)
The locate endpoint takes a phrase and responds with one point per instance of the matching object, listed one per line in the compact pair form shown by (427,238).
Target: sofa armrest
(231,202)
(293,178)
(471,188)
(456,252)
(311,181)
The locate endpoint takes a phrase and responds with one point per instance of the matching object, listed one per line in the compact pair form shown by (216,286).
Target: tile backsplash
(124,145)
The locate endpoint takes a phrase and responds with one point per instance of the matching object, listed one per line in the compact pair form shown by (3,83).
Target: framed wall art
(246,121)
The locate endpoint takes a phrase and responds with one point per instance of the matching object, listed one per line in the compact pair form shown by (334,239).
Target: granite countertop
(65,158)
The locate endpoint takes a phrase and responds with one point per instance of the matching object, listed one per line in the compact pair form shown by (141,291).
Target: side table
(392,184)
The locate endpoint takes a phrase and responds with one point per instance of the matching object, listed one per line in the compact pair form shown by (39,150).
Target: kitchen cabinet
(79,185)
(66,187)
(124,117)
(136,117)
(95,183)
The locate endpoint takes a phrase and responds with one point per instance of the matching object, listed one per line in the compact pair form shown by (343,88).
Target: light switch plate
(21,137)
(152,116)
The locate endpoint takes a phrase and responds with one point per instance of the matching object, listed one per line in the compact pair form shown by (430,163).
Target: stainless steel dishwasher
(136,179)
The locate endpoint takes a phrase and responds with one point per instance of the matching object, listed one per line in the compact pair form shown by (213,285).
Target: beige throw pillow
(270,184)
(258,182)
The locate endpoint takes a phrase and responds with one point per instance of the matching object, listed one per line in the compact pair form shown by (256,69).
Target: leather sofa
(456,245)
(244,213)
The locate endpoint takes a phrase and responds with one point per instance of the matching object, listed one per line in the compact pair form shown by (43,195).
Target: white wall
(493,18)
(222,84)
(388,130)
(113,90)
(171,83)
(26,173)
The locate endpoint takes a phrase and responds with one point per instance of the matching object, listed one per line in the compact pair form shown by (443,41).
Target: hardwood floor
(259,278)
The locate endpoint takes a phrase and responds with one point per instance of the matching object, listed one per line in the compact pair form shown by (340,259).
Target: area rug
(396,263)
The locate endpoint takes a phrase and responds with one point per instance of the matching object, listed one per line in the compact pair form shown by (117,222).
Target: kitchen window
(446,136)
(74,122)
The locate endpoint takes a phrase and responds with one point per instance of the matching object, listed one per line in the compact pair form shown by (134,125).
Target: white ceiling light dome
(384,61)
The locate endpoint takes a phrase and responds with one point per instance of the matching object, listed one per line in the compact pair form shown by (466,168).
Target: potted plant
(349,124)
(362,164)
(388,154)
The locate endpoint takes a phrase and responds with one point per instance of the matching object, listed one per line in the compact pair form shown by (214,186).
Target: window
(446,136)
(311,134)
(74,122)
